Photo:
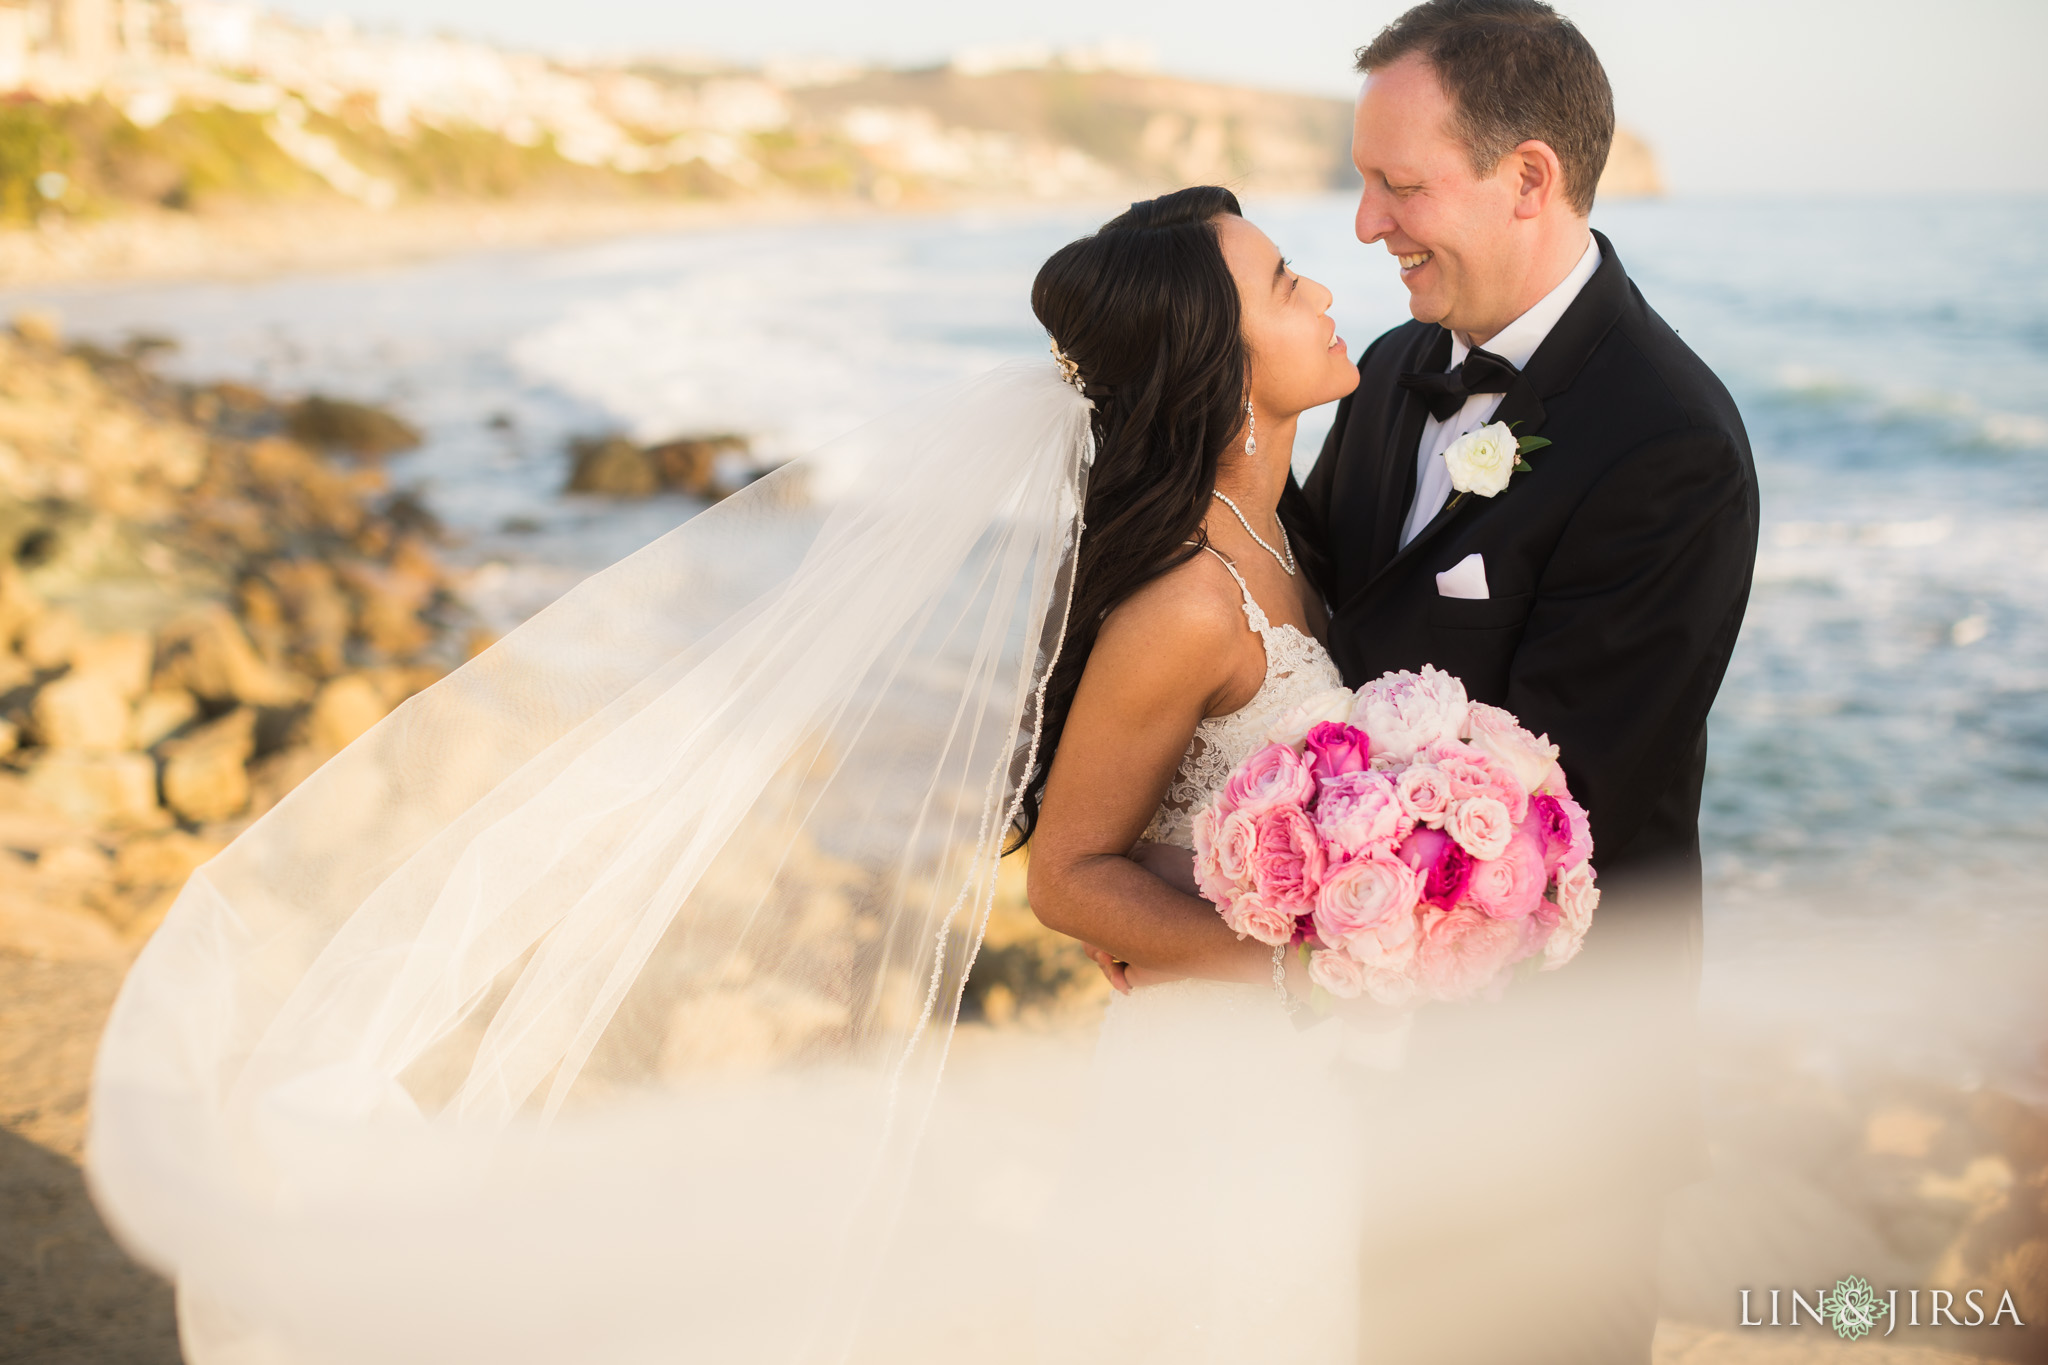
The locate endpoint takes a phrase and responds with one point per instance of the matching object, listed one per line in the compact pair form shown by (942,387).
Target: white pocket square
(1466,578)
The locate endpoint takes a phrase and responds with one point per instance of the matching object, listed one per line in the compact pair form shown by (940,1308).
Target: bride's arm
(1175,652)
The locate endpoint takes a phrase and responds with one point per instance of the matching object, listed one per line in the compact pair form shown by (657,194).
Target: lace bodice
(1297,667)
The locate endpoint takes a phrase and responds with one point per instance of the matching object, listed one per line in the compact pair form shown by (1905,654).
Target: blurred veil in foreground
(594,1002)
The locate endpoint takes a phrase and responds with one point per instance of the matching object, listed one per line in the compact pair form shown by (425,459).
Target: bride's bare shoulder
(1187,624)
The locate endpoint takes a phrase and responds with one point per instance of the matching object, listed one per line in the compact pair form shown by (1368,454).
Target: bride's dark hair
(1148,310)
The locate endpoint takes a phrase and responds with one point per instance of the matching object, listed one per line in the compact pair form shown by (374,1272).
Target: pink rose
(1567,834)
(1552,825)
(1498,735)
(1336,973)
(1360,811)
(1287,860)
(1249,915)
(1511,886)
(1539,926)
(1481,826)
(1442,868)
(1356,895)
(1425,793)
(1472,773)
(1223,851)
(1335,748)
(1223,848)
(1407,712)
(1274,776)
(1464,953)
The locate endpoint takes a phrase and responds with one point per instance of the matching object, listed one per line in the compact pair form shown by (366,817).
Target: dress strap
(1253,612)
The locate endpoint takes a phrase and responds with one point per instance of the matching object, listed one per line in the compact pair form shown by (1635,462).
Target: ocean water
(1876,816)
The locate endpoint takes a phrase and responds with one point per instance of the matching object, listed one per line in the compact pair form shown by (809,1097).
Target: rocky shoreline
(197,607)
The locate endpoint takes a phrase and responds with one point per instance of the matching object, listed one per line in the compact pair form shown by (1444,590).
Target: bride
(594,1006)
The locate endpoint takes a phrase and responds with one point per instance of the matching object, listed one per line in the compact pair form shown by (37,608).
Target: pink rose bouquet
(1417,849)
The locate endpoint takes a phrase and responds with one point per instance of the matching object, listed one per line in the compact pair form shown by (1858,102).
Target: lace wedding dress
(1216,1137)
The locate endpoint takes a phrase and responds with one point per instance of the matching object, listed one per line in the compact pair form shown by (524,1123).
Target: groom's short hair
(1516,70)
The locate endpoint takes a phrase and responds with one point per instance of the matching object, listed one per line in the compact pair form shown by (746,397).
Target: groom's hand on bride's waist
(1116,971)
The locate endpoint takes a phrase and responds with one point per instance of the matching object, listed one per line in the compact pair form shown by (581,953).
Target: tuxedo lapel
(1522,410)
(1396,483)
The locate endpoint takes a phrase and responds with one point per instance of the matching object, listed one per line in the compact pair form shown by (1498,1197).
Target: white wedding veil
(589,1007)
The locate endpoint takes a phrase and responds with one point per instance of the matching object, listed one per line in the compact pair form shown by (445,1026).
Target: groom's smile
(1479,234)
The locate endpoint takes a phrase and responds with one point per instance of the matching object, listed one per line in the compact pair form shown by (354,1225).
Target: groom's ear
(1537,177)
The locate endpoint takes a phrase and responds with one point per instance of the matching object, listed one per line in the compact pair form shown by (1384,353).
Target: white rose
(1481,826)
(1291,727)
(1483,461)
(1577,898)
(1498,735)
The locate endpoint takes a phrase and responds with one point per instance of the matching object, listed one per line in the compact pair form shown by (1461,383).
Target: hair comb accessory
(1069,371)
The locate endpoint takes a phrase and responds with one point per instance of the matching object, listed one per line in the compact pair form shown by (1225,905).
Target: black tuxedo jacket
(1618,571)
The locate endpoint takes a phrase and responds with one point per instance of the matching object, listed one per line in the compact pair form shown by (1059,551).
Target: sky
(1736,96)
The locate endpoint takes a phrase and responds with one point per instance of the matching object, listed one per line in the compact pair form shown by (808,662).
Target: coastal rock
(389,600)
(74,860)
(121,660)
(1631,171)
(613,466)
(272,777)
(19,604)
(699,466)
(81,711)
(104,789)
(345,708)
(204,774)
(335,424)
(39,327)
(710,467)
(317,611)
(50,638)
(301,493)
(161,712)
(165,859)
(127,496)
(208,655)
(47,933)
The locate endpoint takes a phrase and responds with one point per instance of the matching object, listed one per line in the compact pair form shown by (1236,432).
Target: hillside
(280,146)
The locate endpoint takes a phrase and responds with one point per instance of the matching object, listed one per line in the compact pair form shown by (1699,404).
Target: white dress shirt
(1516,343)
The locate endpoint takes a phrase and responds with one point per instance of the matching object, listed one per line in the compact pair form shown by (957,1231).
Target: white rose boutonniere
(1483,461)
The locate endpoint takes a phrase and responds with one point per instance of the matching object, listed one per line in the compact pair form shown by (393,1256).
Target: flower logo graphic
(1853,1308)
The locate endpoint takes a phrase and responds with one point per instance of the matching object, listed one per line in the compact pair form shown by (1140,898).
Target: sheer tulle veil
(590,1007)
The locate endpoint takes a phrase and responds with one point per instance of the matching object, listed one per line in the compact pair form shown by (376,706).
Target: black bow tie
(1445,393)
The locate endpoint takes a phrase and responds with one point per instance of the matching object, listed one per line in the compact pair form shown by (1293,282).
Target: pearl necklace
(1286,561)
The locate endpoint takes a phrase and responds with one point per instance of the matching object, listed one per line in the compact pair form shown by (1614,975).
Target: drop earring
(1251,429)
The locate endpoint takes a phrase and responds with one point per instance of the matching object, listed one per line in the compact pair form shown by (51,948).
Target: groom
(1597,596)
